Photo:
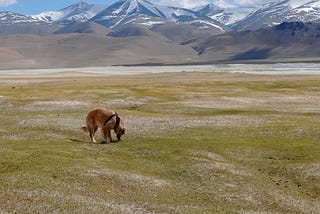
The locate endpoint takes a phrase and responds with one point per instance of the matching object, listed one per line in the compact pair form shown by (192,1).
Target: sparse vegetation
(196,143)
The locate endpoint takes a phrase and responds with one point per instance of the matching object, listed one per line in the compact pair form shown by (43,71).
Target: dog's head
(120,129)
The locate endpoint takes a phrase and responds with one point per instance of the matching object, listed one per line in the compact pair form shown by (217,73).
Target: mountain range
(141,32)
(142,12)
(145,13)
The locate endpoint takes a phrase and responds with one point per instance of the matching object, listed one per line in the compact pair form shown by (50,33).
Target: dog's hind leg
(92,131)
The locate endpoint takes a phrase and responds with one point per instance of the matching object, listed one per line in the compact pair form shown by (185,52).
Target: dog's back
(98,116)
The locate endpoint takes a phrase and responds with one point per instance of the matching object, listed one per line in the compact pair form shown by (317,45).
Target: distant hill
(288,41)
(81,50)
(294,41)
(84,27)
(181,32)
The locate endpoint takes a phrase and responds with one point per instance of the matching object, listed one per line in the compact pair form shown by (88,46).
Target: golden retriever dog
(107,120)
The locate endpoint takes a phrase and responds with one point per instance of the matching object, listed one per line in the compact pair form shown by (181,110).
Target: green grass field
(196,143)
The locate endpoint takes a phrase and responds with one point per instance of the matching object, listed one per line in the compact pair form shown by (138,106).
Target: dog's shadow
(102,142)
(112,142)
(75,140)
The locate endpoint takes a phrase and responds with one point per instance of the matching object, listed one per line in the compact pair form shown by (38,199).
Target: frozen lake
(280,68)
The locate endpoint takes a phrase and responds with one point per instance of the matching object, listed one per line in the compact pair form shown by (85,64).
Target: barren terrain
(197,142)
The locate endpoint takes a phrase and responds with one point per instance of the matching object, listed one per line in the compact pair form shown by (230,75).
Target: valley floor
(197,142)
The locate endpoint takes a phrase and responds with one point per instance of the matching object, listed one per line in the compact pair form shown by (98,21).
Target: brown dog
(107,120)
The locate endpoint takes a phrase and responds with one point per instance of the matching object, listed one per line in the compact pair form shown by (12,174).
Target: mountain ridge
(78,12)
(218,20)
(145,13)
(227,16)
(281,11)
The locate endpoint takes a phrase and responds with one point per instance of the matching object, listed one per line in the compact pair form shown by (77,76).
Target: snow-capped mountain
(309,12)
(79,12)
(282,11)
(226,16)
(143,12)
(148,14)
(208,10)
(7,18)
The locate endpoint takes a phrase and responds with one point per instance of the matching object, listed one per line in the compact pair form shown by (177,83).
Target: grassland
(196,143)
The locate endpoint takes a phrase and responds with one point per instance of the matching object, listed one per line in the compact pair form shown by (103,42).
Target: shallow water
(279,68)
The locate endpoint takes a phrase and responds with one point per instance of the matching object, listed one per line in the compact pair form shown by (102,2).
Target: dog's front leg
(106,133)
(109,135)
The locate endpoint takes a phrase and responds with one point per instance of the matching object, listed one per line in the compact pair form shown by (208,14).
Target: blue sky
(29,7)
(37,6)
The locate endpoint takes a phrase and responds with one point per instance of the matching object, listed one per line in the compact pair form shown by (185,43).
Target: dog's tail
(84,129)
